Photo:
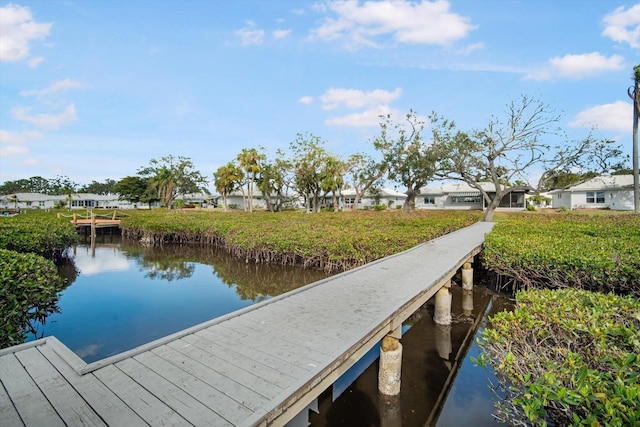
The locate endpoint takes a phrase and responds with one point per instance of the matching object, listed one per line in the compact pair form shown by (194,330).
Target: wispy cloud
(17,30)
(615,117)
(370,117)
(306,100)
(623,25)
(578,66)
(60,85)
(355,98)
(250,35)
(280,34)
(49,121)
(365,24)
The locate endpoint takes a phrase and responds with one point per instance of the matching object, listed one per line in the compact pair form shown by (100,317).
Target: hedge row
(330,241)
(594,252)
(39,233)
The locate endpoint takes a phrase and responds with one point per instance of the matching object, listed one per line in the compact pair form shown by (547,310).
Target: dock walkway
(257,366)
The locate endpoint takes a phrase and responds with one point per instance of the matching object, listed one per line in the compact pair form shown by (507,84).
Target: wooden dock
(257,366)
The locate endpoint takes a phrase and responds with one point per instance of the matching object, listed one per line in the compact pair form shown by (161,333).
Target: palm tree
(634,94)
(226,179)
(249,160)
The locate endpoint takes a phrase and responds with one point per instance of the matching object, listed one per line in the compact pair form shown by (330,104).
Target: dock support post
(442,315)
(390,366)
(467,276)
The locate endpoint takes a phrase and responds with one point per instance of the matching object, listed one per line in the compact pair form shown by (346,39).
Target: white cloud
(280,34)
(50,121)
(35,61)
(250,34)
(578,66)
(370,117)
(306,100)
(17,29)
(13,150)
(60,85)
(466,50)
(617,117)
(9,137)
(623,26)
(354,98)
(425,22)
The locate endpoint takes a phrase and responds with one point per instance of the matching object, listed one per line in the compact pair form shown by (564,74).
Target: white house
(381,196)
(29,201)
(612,192)
(462,196)
(73,201)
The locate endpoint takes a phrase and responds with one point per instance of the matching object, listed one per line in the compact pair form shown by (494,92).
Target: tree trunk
(409,201)
(491,208)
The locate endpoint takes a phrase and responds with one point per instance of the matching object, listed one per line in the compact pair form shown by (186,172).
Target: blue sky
(95,89)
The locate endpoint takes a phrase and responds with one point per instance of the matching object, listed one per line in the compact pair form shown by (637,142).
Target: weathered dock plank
(71,407)
(28,399)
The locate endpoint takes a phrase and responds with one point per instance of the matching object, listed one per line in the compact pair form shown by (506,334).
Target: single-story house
(463,196)
(73,201)
(612,192)
(372,197)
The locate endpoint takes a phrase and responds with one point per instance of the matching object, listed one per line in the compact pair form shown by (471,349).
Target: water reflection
(123,295)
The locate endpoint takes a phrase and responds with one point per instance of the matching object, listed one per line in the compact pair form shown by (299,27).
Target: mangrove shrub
(567,357)
(29,286)
(594,252)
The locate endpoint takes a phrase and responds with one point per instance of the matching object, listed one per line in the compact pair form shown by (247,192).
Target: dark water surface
(123,295)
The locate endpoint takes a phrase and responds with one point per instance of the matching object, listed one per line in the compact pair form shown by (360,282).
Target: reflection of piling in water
(467,303)
(443,341)
(390,410)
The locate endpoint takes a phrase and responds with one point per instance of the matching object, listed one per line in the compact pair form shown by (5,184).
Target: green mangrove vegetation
(567,357)
(570,352)
(567,250)
(330,241)
(37,232)
(29,280)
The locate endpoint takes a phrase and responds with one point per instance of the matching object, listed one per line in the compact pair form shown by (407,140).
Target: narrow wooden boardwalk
(257,366)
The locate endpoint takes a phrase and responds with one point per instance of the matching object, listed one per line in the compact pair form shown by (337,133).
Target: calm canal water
(123,295)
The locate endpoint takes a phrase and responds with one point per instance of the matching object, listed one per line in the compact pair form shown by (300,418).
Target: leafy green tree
(250,160)
(364,174)
(135,189)
(62,185)
(227,179)
(172,176)
(106,187)
(509,148)
(309,160)
(410,160)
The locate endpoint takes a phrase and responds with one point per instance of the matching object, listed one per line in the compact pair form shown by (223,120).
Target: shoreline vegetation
(563,355)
